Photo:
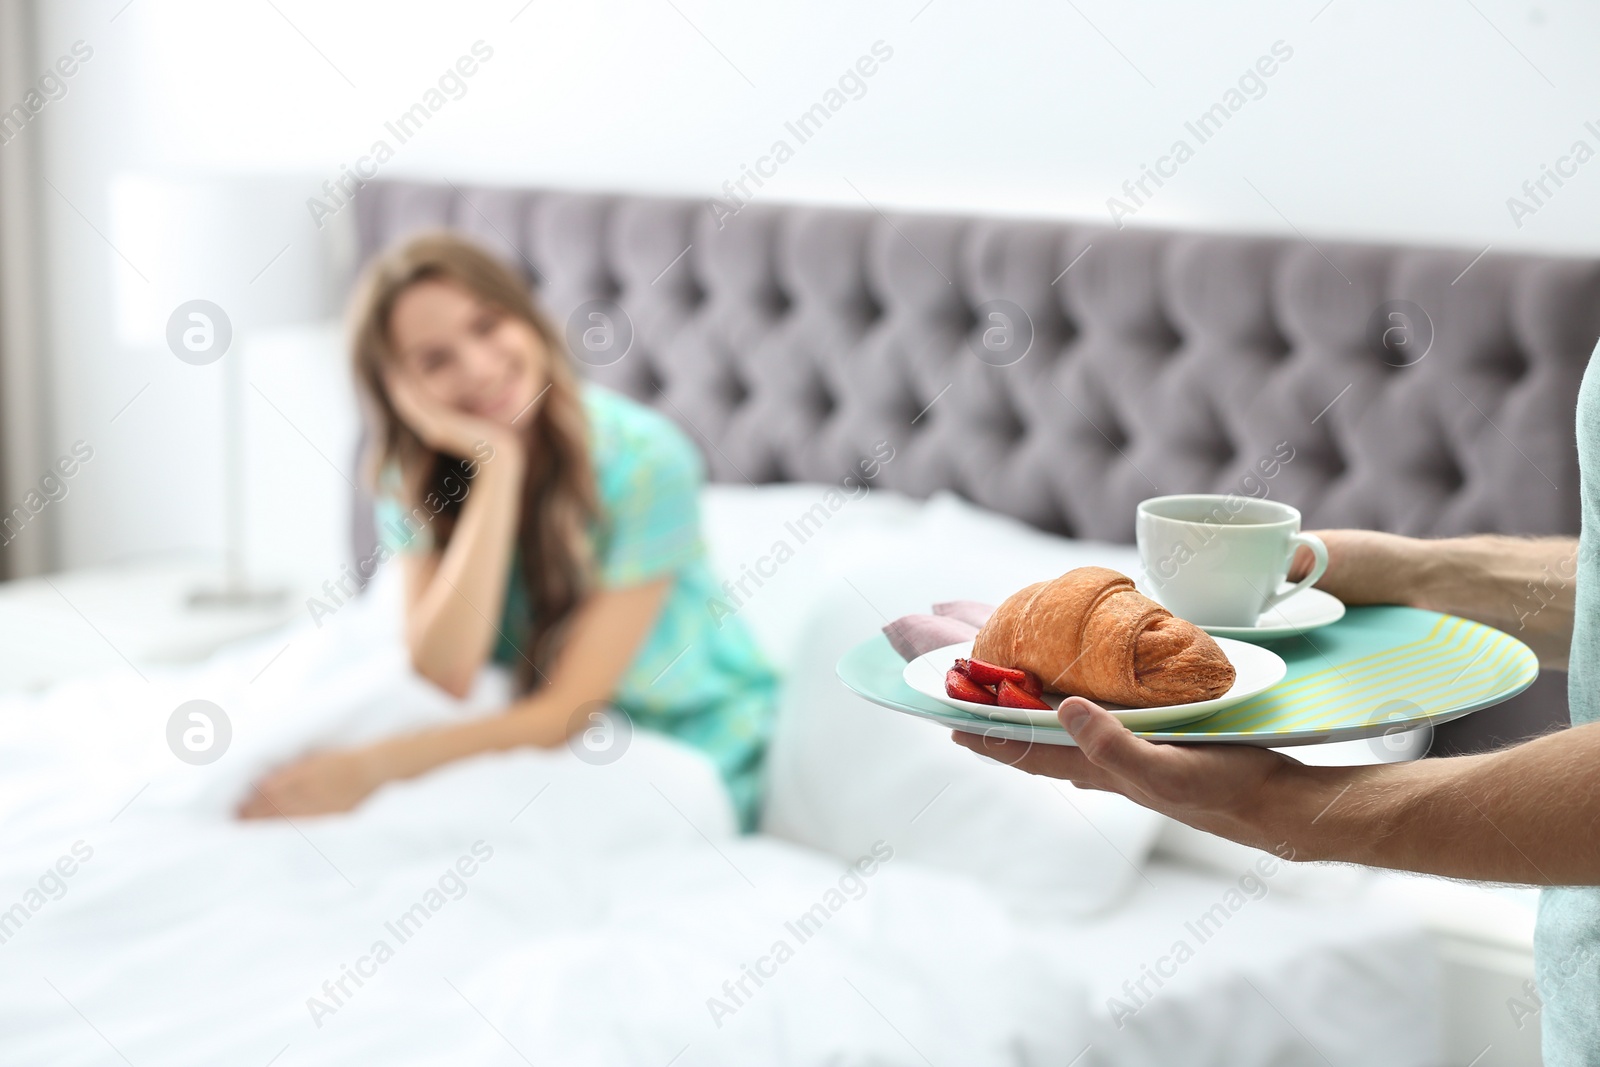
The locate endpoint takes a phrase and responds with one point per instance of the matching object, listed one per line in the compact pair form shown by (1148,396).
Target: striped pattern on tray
(1387,665)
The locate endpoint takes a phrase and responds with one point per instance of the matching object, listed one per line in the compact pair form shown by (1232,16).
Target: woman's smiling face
(468,354)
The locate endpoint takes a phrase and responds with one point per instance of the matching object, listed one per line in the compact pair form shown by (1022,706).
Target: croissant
(1090,633)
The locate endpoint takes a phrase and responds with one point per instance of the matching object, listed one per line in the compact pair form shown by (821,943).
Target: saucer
(1309,609)
(1256,670)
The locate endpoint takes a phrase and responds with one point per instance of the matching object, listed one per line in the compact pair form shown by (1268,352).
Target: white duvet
(512,908)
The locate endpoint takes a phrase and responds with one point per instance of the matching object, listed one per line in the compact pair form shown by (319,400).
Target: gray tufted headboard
(1423,391)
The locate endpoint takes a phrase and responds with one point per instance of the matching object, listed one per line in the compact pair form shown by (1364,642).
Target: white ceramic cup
(1221,560)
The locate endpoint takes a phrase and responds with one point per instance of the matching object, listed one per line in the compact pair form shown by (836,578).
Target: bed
(538,908)
(906,902)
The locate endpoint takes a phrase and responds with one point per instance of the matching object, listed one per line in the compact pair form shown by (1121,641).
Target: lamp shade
(245,243)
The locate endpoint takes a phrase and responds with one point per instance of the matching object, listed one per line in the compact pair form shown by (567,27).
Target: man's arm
(1521,585)
(1526,814)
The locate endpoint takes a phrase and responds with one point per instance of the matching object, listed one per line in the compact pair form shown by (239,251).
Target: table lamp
(221,258)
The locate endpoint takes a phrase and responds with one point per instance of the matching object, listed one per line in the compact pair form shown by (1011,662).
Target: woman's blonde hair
(560,499)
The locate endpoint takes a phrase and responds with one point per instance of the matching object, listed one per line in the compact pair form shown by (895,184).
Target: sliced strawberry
(986,673)
(1012,695)
(961,687)
(1030,683)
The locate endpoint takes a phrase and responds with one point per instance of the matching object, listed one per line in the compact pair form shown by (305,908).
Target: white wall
(1401,122)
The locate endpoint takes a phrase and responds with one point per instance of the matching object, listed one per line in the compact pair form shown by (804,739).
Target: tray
(1376,671)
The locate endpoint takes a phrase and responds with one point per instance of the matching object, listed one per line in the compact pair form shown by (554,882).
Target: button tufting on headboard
(788,340)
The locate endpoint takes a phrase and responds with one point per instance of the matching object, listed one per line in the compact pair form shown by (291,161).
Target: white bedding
(597,922)
(1287,973)
(575,914)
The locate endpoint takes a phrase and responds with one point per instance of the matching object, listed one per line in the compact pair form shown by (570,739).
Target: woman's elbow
(457,686)
(452,679)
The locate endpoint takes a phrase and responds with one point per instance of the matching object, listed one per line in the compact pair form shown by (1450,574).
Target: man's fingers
(1108,755)
(1053,761)
(1110,745)
(1003,749)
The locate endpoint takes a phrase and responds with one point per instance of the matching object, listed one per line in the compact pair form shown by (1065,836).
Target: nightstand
(121,619)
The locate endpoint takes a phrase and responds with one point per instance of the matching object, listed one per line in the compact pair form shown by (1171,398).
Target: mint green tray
(1375,671)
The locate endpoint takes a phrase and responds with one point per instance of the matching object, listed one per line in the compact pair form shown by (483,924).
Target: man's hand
(315,785)
(1524,586)
(1521,814)
(1219,788)
(1365,566)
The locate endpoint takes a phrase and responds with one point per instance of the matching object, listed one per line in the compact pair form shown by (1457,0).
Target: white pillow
(818,531)
(844,773)
(991,555)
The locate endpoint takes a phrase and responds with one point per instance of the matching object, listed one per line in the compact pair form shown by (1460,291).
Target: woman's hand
(1220,788)
(318,784)
(442,427)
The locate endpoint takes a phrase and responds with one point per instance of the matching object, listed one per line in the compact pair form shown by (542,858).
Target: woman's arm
(606,633)
(454,598)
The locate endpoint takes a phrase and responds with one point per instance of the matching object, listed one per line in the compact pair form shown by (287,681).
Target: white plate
(1308,609)
(1255,669)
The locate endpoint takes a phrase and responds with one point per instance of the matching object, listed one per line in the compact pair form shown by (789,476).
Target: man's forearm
(1523,586)
(1525,814)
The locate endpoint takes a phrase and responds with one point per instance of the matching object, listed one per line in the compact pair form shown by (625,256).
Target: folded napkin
(952,621)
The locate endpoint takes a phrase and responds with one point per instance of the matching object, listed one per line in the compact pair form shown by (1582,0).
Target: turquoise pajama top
(696,677)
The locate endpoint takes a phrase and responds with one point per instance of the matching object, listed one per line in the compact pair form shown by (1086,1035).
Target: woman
(547,524)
